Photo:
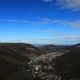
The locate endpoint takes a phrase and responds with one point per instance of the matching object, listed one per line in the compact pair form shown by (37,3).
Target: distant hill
(55,48)
(12,57)
(77,45)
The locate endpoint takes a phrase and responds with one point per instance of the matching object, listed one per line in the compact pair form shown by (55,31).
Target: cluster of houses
(42,67)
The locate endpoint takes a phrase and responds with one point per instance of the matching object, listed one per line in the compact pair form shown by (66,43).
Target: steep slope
(68,65)
(13,57)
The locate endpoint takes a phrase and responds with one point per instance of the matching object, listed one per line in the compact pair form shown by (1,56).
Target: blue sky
(40,21)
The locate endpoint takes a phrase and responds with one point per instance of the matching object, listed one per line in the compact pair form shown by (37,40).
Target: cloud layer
(73,5)
(44,21)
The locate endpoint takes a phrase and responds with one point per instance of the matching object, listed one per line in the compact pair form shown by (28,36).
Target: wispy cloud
(58,39)
(24,21)
(73,5)
(58,21)
(45,31)
(47,0)
(44,21)
(39,40)
(72,37)
(13,20)
(41,22)
(76,24)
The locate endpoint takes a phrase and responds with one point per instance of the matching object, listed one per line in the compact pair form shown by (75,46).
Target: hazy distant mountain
(77,45)
(55,48)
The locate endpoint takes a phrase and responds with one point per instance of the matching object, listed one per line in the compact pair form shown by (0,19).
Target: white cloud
(67,39)
(47,0)
(45,31)
(76,24)
(42,22)
(58,39)
(73,5)
(46,19)
(72,37)
(15,21)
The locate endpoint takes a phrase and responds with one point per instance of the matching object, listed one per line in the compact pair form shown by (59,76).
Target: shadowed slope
(68,65)
(12,57)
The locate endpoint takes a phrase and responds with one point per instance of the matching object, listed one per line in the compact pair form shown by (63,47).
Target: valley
(20,61)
